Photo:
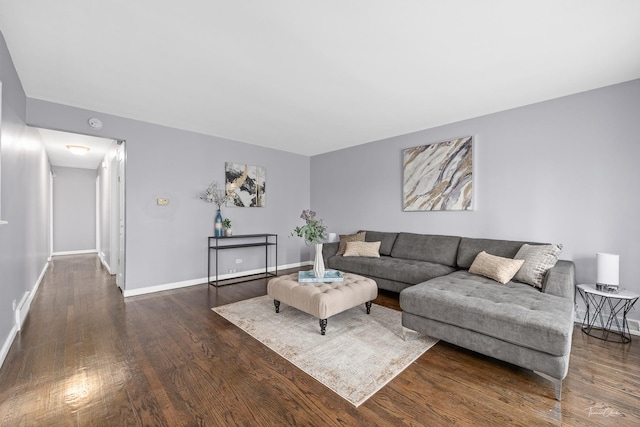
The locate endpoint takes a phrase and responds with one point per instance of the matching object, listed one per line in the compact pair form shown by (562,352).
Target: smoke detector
(95,123)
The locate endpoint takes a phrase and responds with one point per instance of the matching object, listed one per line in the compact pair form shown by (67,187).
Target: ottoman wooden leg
(323,326)
(368,305)
(277,304)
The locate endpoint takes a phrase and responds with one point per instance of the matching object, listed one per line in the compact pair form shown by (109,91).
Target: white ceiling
(316,76)
(56,142)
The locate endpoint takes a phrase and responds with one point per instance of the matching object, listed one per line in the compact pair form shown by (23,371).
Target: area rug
(359,354)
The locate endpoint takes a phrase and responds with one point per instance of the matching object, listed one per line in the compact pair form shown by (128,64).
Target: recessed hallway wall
(74,210)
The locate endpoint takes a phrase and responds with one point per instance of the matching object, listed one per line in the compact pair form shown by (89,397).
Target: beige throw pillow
(538,259)
(345,238)
(368,249)
(495,267)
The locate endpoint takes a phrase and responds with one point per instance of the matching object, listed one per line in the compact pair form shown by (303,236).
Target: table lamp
(607,272)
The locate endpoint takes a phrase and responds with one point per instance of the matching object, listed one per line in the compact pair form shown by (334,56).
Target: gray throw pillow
(538,259)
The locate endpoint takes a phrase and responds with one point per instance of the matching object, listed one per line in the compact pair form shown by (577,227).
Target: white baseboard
(165,287)
(25,303)
(20,314)
(101,256)
(183,284)
(634,325)
(294,265)
(83,252)
(7,344)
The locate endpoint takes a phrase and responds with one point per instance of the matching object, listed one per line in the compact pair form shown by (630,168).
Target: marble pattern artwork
(245,185)
(439,177)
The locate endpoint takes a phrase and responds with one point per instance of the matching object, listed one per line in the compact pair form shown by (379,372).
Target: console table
(217,244)
(620,303)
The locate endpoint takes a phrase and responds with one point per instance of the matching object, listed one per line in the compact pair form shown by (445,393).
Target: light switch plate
(162,201)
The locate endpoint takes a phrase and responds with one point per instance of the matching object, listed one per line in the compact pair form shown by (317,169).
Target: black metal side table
(596,301)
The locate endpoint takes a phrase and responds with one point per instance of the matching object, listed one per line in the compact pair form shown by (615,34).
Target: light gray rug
(359,354)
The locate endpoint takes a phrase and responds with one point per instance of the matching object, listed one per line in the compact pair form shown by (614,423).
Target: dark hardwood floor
(87,356)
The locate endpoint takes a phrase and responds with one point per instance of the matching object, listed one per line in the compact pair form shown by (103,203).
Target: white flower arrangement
(214,194)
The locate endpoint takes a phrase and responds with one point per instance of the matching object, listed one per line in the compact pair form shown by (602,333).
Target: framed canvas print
(438,177)
(246,185)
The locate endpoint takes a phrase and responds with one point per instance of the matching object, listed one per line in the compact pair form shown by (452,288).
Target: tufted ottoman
(323,300)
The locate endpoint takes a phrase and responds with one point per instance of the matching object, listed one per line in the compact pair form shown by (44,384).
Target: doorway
(103,164)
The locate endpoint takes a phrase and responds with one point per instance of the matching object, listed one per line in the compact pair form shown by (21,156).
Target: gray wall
(167,244)
(24,241)
(561,171)
(74,210)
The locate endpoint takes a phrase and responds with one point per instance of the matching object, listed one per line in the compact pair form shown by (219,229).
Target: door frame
(120,220)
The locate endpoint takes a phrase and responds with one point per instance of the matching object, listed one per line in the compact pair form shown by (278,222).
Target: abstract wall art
(438,177)
(245,185)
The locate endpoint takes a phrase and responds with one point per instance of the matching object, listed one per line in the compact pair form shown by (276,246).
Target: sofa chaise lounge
(515,322)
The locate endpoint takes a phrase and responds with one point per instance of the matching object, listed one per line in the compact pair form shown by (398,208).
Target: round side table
(620,303)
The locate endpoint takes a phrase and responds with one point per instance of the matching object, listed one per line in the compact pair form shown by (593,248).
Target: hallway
(86,356)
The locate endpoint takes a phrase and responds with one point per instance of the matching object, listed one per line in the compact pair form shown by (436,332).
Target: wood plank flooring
(87,356)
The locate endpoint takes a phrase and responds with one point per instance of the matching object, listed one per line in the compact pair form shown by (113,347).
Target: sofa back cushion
(427,247)
(470,248)
(386,240)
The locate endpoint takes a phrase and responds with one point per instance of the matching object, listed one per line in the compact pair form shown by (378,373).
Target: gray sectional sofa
(514,322)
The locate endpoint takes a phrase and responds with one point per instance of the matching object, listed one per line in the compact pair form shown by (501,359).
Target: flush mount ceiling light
(80,150)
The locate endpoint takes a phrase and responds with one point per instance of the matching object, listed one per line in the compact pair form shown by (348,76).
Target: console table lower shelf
(266,241)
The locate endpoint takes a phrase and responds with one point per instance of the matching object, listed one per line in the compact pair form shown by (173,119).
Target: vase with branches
(313,232)
(214,194)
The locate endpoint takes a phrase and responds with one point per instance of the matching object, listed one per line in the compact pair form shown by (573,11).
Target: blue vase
(218,226)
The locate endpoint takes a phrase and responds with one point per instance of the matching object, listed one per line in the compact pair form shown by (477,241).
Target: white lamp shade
(333,237)
(608,269)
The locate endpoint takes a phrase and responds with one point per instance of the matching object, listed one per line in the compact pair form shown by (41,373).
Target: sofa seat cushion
(514,312)
(398,270)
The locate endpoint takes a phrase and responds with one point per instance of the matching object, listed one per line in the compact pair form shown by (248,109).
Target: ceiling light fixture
(80,150)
